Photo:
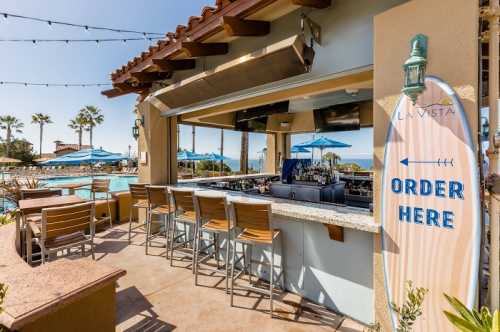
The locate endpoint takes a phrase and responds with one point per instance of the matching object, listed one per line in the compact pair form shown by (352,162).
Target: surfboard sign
(430,204)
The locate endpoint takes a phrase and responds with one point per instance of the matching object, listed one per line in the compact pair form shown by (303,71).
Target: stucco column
(157,147)
(278,149)
(452,56)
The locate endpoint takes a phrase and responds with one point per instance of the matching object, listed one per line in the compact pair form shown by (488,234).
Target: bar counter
(335,273)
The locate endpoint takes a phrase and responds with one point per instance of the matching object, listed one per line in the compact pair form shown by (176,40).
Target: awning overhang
(282,60)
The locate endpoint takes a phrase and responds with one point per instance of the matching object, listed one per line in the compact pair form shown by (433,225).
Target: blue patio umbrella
(85,157)
(214,157)
(298,149)
(189,156)
(321,143)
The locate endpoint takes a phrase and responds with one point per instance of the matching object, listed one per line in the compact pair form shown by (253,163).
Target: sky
(92,63)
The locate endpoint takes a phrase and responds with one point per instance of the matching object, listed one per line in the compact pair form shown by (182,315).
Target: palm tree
(93,117)
(78,125)
(244,153)
(10,124)
(41,119)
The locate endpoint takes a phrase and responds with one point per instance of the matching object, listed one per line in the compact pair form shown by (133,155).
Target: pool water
(118,183)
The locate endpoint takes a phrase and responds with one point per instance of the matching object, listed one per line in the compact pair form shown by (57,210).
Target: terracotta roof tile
(181,31)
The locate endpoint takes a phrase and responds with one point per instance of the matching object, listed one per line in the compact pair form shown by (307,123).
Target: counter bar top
(329,214)
(226,178)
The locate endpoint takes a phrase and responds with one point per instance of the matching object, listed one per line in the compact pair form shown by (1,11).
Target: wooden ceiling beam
(121,89)
(112,93)
(235,27)
(148,77)
(195,49)
(313,3)
(173,65)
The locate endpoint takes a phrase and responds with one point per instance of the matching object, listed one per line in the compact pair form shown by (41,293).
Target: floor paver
(154,296)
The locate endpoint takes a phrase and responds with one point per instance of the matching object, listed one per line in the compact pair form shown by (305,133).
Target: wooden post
(494,210)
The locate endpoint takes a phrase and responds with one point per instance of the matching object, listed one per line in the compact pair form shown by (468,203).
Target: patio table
(71,187)
(30,206)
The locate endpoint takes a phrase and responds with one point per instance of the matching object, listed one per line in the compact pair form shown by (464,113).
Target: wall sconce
(139,122)
(415,67)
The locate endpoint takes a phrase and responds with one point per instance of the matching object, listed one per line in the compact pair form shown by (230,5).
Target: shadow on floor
(135,307)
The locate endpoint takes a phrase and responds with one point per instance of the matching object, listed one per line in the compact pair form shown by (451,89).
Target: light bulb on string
(50,24)
(5,16)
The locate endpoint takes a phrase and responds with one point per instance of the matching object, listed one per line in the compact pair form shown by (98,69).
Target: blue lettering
(397,186)
(432,217)
(456,190)
(440,188)
(418,215)
(425,187)
(448,219)
(404,214)
(410,186)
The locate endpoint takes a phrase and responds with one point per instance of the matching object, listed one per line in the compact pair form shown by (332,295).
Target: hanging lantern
(414,68)
(139,122)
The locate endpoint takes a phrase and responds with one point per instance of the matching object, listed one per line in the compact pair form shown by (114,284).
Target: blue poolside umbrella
(85,157)
(321,143)
(213,157)
(298,149)
(189,156)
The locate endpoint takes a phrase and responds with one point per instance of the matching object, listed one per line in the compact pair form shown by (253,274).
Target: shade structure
(189,156)
(298,149)
(213,157)
(85,157)
(323,142)
(7,160)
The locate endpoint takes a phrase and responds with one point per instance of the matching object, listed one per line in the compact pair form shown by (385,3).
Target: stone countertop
(35,292)
(226,178)
(330,214)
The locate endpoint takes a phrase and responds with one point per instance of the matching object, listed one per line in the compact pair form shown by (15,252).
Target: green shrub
(472,320)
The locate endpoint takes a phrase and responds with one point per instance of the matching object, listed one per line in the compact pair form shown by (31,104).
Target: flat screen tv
(341,117)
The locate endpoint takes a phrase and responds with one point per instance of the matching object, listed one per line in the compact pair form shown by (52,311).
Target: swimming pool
(118,183)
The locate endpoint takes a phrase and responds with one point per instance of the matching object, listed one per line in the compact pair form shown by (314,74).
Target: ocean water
(254,163)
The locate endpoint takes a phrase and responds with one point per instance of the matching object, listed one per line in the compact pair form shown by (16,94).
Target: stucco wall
(347,38)
(451,26)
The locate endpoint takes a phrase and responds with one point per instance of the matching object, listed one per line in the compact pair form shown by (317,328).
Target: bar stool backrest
(100,185)
(157,196)
(39,193)
(210,208)
(183,200)
(60,221)
(252,216)
(138,191)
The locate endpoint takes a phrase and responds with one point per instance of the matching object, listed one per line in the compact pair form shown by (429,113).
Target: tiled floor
(154,296)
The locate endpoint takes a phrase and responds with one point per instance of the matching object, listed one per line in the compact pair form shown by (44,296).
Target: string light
(67,41)
(66,85)
(85,26)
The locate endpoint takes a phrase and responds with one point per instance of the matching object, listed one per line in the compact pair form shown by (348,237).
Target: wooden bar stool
(101,186)
(252,228)
(159,205)
(185,214)
(212,218)
(138,200)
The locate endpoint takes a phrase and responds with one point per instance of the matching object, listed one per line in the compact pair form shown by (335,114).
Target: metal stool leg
(172,239)
(228,250)
(130,224)
(232,271)
(148,229)
(271,277)
(165,228)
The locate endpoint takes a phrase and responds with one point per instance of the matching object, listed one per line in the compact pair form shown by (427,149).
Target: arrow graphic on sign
(440,162)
